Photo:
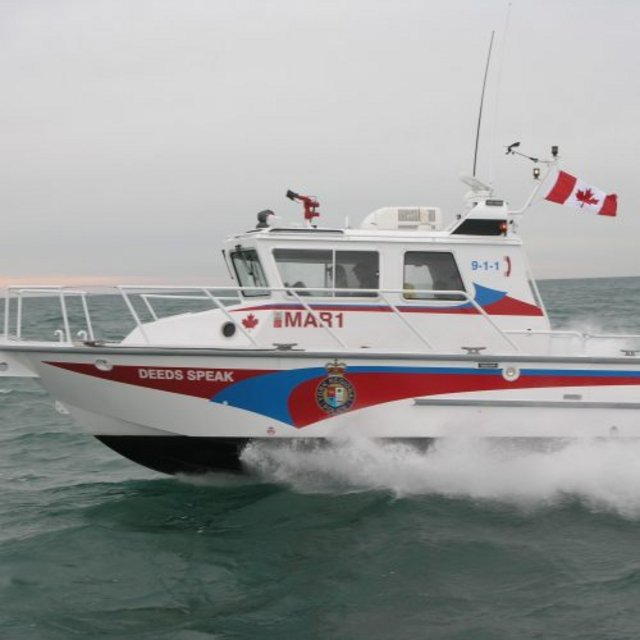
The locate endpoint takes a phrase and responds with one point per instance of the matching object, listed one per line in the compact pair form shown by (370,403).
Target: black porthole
(228,329)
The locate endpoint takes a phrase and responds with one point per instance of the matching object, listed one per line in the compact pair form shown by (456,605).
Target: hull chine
(179,454)
(202,455)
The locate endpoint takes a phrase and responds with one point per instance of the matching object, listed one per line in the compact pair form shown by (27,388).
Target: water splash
(602,474)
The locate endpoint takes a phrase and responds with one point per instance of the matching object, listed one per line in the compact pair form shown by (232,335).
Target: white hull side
(107,407)
(417,422)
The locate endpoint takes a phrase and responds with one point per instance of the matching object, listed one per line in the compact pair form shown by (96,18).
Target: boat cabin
(400,281)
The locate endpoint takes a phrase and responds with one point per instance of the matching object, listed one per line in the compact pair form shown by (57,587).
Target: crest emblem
(335,394)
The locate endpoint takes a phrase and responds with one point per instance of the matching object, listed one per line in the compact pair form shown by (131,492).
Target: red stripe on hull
(378,388)
(188,381)
(506,307)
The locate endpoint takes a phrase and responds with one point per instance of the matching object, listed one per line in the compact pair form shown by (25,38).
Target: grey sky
(135,135)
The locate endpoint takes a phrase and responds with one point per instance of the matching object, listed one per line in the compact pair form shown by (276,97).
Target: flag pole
(550,164)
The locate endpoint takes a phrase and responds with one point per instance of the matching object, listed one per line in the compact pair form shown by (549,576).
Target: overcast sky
(135,135)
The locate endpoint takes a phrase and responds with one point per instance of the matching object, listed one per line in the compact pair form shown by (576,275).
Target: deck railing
(222,298)
(17,295)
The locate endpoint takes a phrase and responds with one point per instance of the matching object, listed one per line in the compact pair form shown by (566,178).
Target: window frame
(247,290)
(333,294)
(433,297)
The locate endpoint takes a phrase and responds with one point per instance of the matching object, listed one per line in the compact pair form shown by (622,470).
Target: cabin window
(307,272)
(357,271)
(477,227)
(326,273)
(426,272)
(249,272)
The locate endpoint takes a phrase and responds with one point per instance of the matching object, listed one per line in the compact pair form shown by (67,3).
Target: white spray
(603,475)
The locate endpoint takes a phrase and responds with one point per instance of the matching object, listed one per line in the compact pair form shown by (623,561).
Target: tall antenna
(484,85)
(502,49)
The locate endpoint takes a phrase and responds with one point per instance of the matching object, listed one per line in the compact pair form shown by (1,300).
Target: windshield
(249,272)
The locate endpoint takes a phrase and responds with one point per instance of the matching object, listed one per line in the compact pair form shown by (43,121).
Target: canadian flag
(575,193)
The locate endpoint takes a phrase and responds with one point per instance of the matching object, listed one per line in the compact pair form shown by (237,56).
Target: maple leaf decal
(250,321)
(586,196)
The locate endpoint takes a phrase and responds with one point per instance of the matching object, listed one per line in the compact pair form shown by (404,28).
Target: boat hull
(193,411)
(179,454)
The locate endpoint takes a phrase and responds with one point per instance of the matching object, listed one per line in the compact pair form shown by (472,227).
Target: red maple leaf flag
(566,189)
(586,196)
(250,321)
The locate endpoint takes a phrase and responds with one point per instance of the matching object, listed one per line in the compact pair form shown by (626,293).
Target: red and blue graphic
(293,396)
(492,301)
(288,396)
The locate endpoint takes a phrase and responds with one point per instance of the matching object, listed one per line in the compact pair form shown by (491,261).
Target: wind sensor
(511,151)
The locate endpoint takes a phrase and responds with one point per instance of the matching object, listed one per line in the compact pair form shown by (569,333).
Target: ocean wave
(603,475)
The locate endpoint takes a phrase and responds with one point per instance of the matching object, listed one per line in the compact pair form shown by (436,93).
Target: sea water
(365,541)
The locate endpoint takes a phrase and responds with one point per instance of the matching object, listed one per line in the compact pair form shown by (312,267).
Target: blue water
(368,542)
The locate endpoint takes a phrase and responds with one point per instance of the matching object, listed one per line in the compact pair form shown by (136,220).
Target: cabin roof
(329,236)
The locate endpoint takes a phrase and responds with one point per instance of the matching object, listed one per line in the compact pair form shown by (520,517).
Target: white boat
(400,329)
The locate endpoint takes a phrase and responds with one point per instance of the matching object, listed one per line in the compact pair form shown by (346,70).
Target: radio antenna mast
(484,85)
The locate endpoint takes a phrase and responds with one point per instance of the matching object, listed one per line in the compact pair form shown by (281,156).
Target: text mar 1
(307,319)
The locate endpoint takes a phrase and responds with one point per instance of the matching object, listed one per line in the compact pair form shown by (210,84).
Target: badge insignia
(335,394)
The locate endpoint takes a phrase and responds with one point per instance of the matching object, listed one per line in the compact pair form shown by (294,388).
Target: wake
(602,474)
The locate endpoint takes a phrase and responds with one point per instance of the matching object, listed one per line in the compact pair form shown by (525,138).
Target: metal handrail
(133,312)
(175,292)
(146,297)
(318,319)
(222,308)
(542,332)
(611,336)
(454,295)
(205,293)
(61,292)
(217,302)
(408,323)
(574,333)
(216,295)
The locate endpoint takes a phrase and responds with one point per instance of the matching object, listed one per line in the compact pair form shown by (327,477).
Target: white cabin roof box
(404,218)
